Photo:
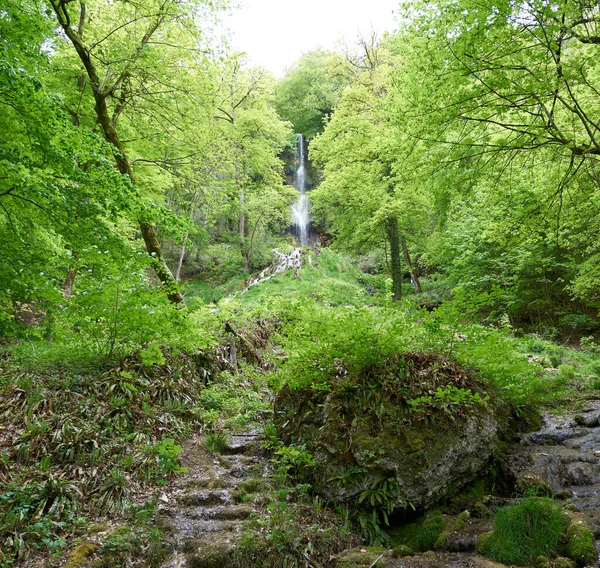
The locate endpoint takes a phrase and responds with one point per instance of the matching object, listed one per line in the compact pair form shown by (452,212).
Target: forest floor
(111,464)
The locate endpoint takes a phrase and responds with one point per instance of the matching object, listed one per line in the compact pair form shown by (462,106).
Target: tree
(497,89)
(255,136)
(368,193)
(58,189)
(121,58)
(308,93)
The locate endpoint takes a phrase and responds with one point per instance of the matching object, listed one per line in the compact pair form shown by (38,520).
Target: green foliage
(534,527)
(293,460)
(217,442)
(308,93)
(446,398)
(168,457)
(81,440)
(134,543)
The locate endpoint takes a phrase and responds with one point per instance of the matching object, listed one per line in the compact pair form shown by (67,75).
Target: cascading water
(300,209)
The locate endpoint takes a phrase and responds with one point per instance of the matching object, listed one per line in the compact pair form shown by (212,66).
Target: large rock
(369,446)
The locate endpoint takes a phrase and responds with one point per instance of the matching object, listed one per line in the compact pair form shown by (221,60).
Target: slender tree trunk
(181,256)
(413,273)
(111,135)
(242,229)
(69,281)
(391,228)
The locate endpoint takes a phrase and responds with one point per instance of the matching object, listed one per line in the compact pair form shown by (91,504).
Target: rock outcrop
(372,443)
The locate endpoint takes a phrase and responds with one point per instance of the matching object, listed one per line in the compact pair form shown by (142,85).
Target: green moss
(561,562)
(482,511)
(541,562)
(98,529)
(440,543)
(402,551)
(361,557)
(253,485)
(430,530)
(580,545)
(461,521)
(483,542)
(533,486)
(81,554)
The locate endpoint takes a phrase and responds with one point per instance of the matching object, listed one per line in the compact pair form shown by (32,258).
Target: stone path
(207,506)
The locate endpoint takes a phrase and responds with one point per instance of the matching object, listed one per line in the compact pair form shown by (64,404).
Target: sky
(275,33)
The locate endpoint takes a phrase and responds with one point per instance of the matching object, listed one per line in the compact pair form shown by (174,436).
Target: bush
(525,531)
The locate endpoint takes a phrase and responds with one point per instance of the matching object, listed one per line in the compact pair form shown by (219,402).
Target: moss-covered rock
(481,510)
(441,541)
(81,554)
(362,557)
(402,551)
(542,562)
(533,486)
(482,542)
(368,430)
(461,521)
(562,562)
(580,545)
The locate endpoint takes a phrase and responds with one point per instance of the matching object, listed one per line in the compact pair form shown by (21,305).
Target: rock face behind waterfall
(364,432)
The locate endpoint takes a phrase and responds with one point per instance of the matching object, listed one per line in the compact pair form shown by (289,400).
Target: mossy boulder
(362,557)
(81,554)
(580,545)
(562,562)
(483,542)
(401,551)
(416,423)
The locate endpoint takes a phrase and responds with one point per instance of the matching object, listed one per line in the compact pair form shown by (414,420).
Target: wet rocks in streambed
(563,457)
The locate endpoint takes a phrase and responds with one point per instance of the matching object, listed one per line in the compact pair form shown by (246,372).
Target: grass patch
(535,527)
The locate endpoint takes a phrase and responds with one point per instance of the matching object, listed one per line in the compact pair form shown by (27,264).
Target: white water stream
(301,207)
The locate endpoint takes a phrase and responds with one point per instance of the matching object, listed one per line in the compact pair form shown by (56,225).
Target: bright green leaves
(308,93)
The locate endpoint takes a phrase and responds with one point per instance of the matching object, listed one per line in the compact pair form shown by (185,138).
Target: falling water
(300,209)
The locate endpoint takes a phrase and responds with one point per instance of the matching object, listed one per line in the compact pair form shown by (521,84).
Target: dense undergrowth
(95,401)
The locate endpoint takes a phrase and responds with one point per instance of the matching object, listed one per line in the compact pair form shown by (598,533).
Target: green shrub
(526,531)
(216,442)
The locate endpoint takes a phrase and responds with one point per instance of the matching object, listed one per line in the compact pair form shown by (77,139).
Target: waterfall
(300,209)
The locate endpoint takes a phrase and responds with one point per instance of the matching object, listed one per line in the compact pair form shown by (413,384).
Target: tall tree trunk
(391,228)
(69,281)
(242,229)
(413,273)
(181,257)
(110,132)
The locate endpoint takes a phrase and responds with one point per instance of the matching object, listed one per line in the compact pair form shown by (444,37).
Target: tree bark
(181,257)
(111,135)
(413,273)
(69,281)
(391,228)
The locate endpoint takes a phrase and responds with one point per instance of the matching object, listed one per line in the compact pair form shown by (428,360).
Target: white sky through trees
(275,33)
